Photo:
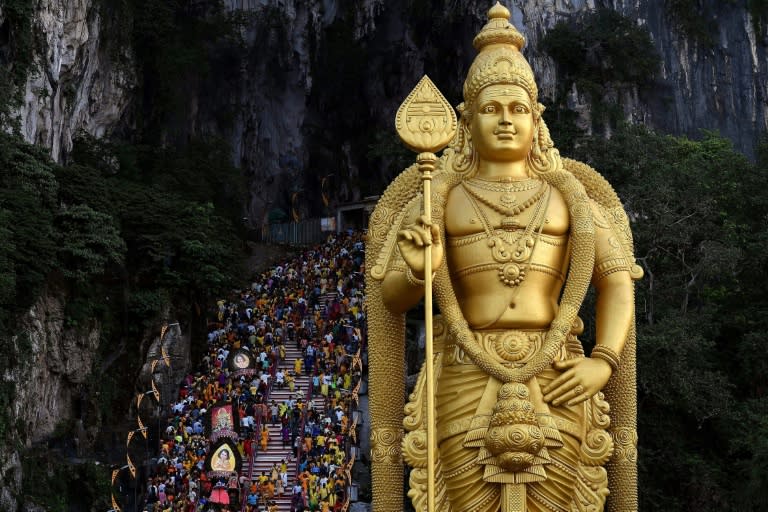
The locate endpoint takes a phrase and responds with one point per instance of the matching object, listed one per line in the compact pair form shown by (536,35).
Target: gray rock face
(53,361)
(75,84)
(320,77)
(174,349)
(10,471)
(289,117)
(59,361)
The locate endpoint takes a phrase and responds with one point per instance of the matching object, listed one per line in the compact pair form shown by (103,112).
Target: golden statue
(516,234)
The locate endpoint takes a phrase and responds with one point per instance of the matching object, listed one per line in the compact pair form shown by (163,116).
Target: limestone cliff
(319,80)
(77,82)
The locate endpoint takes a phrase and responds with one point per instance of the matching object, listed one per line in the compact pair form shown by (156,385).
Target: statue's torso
(486,302)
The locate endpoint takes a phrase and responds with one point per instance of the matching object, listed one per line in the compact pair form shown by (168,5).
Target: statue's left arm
(583,377)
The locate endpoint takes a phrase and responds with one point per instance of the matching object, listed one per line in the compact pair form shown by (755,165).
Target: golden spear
(426,123)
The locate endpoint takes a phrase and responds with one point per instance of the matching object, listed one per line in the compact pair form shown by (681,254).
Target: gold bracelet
(412,279)
(606,354)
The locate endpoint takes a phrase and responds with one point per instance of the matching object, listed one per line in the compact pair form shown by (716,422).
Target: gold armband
(606,267)
(607,355)
(412,279)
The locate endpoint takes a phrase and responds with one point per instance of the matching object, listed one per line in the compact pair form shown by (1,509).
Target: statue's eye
(489,109)
(520,109)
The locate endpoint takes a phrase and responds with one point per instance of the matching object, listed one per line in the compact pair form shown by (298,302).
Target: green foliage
(15,57)
(177,45)
(121,232)
(758,11)
(694,18)
(698,220)
(602,52)
(387,148)
(88,242)
(59,486)
(28,190)
(604,47)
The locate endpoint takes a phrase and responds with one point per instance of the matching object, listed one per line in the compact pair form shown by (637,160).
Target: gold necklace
(509,208)
(503,186)
(514,261)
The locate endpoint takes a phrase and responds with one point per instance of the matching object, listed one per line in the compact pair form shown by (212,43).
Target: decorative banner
(163,329)
(294,209)
(166,358)
(224,422)
(326,199)
(225,460)
(154,365)
(142,428)
(114,475)
(155,391)
(347,469)
(241,362)
(240,359)
(114,505)
(131,467)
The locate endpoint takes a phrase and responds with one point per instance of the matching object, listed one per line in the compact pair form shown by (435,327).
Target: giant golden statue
(516,235)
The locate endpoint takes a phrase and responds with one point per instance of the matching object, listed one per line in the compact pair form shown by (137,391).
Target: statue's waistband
(510,347)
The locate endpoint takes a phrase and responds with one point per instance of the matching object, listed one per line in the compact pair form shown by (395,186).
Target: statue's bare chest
(470,210)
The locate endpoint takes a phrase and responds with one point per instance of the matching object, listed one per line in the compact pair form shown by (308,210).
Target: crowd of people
(314,300)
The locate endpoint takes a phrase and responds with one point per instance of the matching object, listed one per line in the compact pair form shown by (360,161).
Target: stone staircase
(275,452)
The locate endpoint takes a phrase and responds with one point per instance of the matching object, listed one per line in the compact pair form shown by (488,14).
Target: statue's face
(502,124)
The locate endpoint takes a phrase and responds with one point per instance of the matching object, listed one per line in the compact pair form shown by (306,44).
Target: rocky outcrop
(171,351)
(11,474)
(52,363)
(77,82)
(57,361)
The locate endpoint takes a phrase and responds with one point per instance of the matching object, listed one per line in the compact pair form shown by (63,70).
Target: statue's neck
(491,170)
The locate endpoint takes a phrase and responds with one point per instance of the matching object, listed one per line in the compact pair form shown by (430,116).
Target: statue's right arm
(400,295)
(403,285)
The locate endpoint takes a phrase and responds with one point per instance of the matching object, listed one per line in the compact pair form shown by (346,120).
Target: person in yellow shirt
(291,381)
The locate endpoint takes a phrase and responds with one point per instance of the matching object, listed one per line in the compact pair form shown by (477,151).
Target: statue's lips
(505,135)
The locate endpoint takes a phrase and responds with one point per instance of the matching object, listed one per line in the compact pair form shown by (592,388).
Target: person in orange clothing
(264,438)
(304,480)
(269,489)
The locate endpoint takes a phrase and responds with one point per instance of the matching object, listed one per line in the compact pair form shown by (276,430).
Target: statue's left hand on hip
(581,379)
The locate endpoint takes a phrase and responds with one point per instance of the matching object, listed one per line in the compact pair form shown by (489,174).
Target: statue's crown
(498,30)
(499,60)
